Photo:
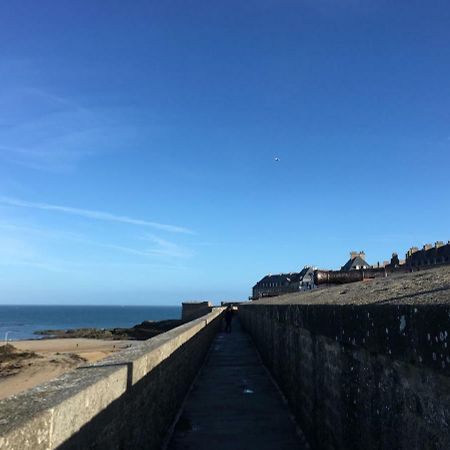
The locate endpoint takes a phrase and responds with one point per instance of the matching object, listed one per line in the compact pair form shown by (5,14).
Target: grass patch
(10,353)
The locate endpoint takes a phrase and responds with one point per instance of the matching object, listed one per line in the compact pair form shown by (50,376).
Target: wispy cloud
(45,131)
(58,159)
(92,214)
(19,248)
(35,126)
(172,252)
(163,247)
(42,232)
(53,99)
(20,253)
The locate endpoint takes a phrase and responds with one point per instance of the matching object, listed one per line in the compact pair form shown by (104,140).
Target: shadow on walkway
(233,404)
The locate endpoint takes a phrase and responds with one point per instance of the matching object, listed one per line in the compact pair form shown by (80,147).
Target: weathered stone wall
(193,310)
(361,376)
(126,401)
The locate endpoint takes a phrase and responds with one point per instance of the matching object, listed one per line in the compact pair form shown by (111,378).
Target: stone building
(430,255)
(306,280)
(395,263)
(356,262)
(283,283)
(272,285)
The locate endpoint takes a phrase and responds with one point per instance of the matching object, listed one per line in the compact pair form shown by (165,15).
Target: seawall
(128,400)
(363,366)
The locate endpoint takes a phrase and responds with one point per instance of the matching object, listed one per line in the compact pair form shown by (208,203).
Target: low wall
(128,400)
(193,310)
(361,376)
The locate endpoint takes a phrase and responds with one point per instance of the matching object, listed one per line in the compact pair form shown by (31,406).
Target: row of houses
(430,255)
(415,259)
(283,283)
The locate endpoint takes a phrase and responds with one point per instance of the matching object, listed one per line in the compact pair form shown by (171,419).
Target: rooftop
(430,286)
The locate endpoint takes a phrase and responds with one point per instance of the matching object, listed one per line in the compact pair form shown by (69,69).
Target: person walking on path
(228,318)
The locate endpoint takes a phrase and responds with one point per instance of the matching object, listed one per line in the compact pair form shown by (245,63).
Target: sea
(18,322)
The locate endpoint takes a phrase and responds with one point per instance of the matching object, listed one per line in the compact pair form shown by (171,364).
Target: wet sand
(52,358)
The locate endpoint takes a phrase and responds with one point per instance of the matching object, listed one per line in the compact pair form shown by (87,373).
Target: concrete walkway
(234,404)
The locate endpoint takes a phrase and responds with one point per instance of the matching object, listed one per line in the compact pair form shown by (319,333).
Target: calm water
(21,321)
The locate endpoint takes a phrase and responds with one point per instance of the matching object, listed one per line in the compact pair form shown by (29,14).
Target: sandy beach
(40,360)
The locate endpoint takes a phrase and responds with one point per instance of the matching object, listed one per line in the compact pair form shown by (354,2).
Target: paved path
(234,404)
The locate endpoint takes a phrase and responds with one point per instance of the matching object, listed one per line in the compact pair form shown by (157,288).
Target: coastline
(140,332)
(27,363)
(19,322)
(32,362)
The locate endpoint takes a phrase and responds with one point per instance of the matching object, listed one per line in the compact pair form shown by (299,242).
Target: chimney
(427,247)
(354,254)
(411,251)
(394,260)
(438,244)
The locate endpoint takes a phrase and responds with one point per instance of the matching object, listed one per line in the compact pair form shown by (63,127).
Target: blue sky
(137,143)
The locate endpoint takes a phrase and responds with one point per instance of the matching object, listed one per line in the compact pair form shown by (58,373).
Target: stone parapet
(128,400)
(366,366)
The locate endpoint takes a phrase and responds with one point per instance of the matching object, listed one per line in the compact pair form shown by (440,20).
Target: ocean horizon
(19,322)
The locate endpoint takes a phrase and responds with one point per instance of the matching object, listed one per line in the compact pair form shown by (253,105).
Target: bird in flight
(276,159)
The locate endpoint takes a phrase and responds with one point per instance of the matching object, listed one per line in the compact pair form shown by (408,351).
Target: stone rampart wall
(194,310)
(373,376)
(127,401)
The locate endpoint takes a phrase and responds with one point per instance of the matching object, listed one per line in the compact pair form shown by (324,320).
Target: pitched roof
(306,271)
(353,262)
(289,277)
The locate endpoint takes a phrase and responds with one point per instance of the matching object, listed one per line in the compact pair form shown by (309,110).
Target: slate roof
(279,278)
(306,271)
(353,262)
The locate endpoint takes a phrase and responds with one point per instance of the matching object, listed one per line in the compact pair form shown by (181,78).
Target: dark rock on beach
(142,331)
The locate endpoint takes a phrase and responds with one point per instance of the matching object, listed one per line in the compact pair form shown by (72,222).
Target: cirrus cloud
(93,214)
